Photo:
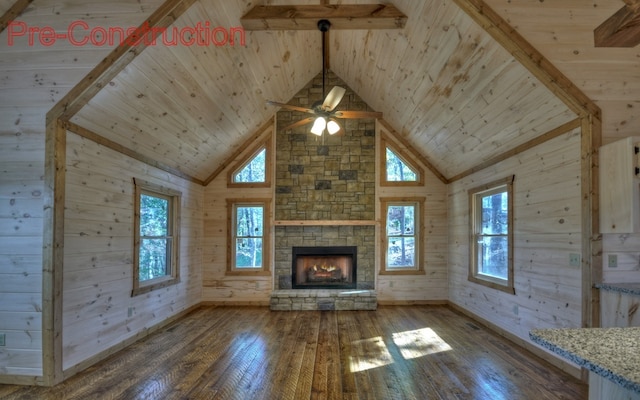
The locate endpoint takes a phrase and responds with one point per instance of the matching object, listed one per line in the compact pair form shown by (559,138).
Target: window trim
(405,158)
(418,202)
(243,162)
(175,199)
(266,238)
(475,220)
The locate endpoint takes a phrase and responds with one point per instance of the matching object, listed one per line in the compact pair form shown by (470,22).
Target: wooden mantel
(324,223)
(341,16)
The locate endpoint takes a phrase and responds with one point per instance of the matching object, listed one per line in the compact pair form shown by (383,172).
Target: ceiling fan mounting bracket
(324,25)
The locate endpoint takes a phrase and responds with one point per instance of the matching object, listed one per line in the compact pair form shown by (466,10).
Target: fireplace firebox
(332,267)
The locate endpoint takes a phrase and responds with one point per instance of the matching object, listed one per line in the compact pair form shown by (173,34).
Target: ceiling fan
(325,113)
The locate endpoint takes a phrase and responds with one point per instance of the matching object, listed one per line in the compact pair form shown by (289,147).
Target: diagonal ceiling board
(529,57)
(122,55)
(189,106)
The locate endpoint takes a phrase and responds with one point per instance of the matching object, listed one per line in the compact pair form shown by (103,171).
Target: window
(491,242)
(402,236)
(254,170)
(156,241)
(248,237)
(397,169)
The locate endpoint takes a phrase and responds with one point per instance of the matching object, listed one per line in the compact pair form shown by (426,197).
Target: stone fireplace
(325,197)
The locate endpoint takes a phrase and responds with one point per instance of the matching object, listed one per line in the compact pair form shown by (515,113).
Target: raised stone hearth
(323,299)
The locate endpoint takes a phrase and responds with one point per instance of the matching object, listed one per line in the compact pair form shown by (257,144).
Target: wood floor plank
(411,352)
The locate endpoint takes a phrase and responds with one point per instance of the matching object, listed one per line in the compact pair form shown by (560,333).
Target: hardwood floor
(415,352)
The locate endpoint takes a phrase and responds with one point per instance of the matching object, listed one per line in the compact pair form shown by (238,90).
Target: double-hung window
(156,241)
(491,239)
(402,235)
(248,236)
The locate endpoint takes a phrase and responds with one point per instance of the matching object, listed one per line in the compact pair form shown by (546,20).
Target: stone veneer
(363,237)
(324,179)
(327,178)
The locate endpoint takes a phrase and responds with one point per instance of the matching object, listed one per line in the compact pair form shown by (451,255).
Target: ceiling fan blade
(300,123)
(333,98)
(358,114)
(290,107)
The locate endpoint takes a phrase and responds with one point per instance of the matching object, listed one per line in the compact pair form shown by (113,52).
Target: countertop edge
(628,288)
(604,372)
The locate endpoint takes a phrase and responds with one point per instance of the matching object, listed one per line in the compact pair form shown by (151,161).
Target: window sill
(248,273)
(492,284)
(154,284)
(403,272)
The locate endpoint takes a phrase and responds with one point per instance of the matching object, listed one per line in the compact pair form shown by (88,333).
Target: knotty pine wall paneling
(432,286)
(547,231)
(217,286)
(98,309)
(34,78)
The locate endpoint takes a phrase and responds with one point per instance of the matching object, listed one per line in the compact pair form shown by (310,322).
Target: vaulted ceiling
(443,83)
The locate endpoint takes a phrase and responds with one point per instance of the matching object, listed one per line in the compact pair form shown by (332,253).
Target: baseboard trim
(564,366)
(81,366)
(233,303)
(412,302)
(25,380)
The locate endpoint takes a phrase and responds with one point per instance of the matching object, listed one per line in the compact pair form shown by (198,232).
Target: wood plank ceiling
(442,82)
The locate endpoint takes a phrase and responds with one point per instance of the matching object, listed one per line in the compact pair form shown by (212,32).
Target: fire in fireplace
(331,267)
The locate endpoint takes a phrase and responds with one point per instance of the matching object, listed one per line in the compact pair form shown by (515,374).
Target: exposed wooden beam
(88,134)
(622,29)
(53,252)
(118,59)
(13,12)
(529,57)
(341,16)
(633,4)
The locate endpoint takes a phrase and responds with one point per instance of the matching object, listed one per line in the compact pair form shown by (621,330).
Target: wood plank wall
(547,231)
(34,79)
(98,309)
(217,287)
(432,287)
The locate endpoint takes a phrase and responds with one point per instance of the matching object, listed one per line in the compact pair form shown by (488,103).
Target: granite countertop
(630,288)
(613,353)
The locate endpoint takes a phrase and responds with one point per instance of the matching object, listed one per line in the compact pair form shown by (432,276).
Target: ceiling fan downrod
(323,26)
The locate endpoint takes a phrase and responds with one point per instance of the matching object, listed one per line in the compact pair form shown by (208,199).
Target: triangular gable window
(398,170)
(254,170)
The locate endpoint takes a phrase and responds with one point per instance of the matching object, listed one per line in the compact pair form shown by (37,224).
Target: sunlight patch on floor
(373,353)
(369,354)
(419,343)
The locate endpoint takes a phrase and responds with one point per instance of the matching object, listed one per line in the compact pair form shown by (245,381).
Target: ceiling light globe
(332,127)
(318,126)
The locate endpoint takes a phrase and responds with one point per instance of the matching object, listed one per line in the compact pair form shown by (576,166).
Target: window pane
(495,214)
(397,170)
(249,253)
(153,216)
(400,220)
(249,221)
(493,256)
(401,252)
(154,254)
(254,171)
